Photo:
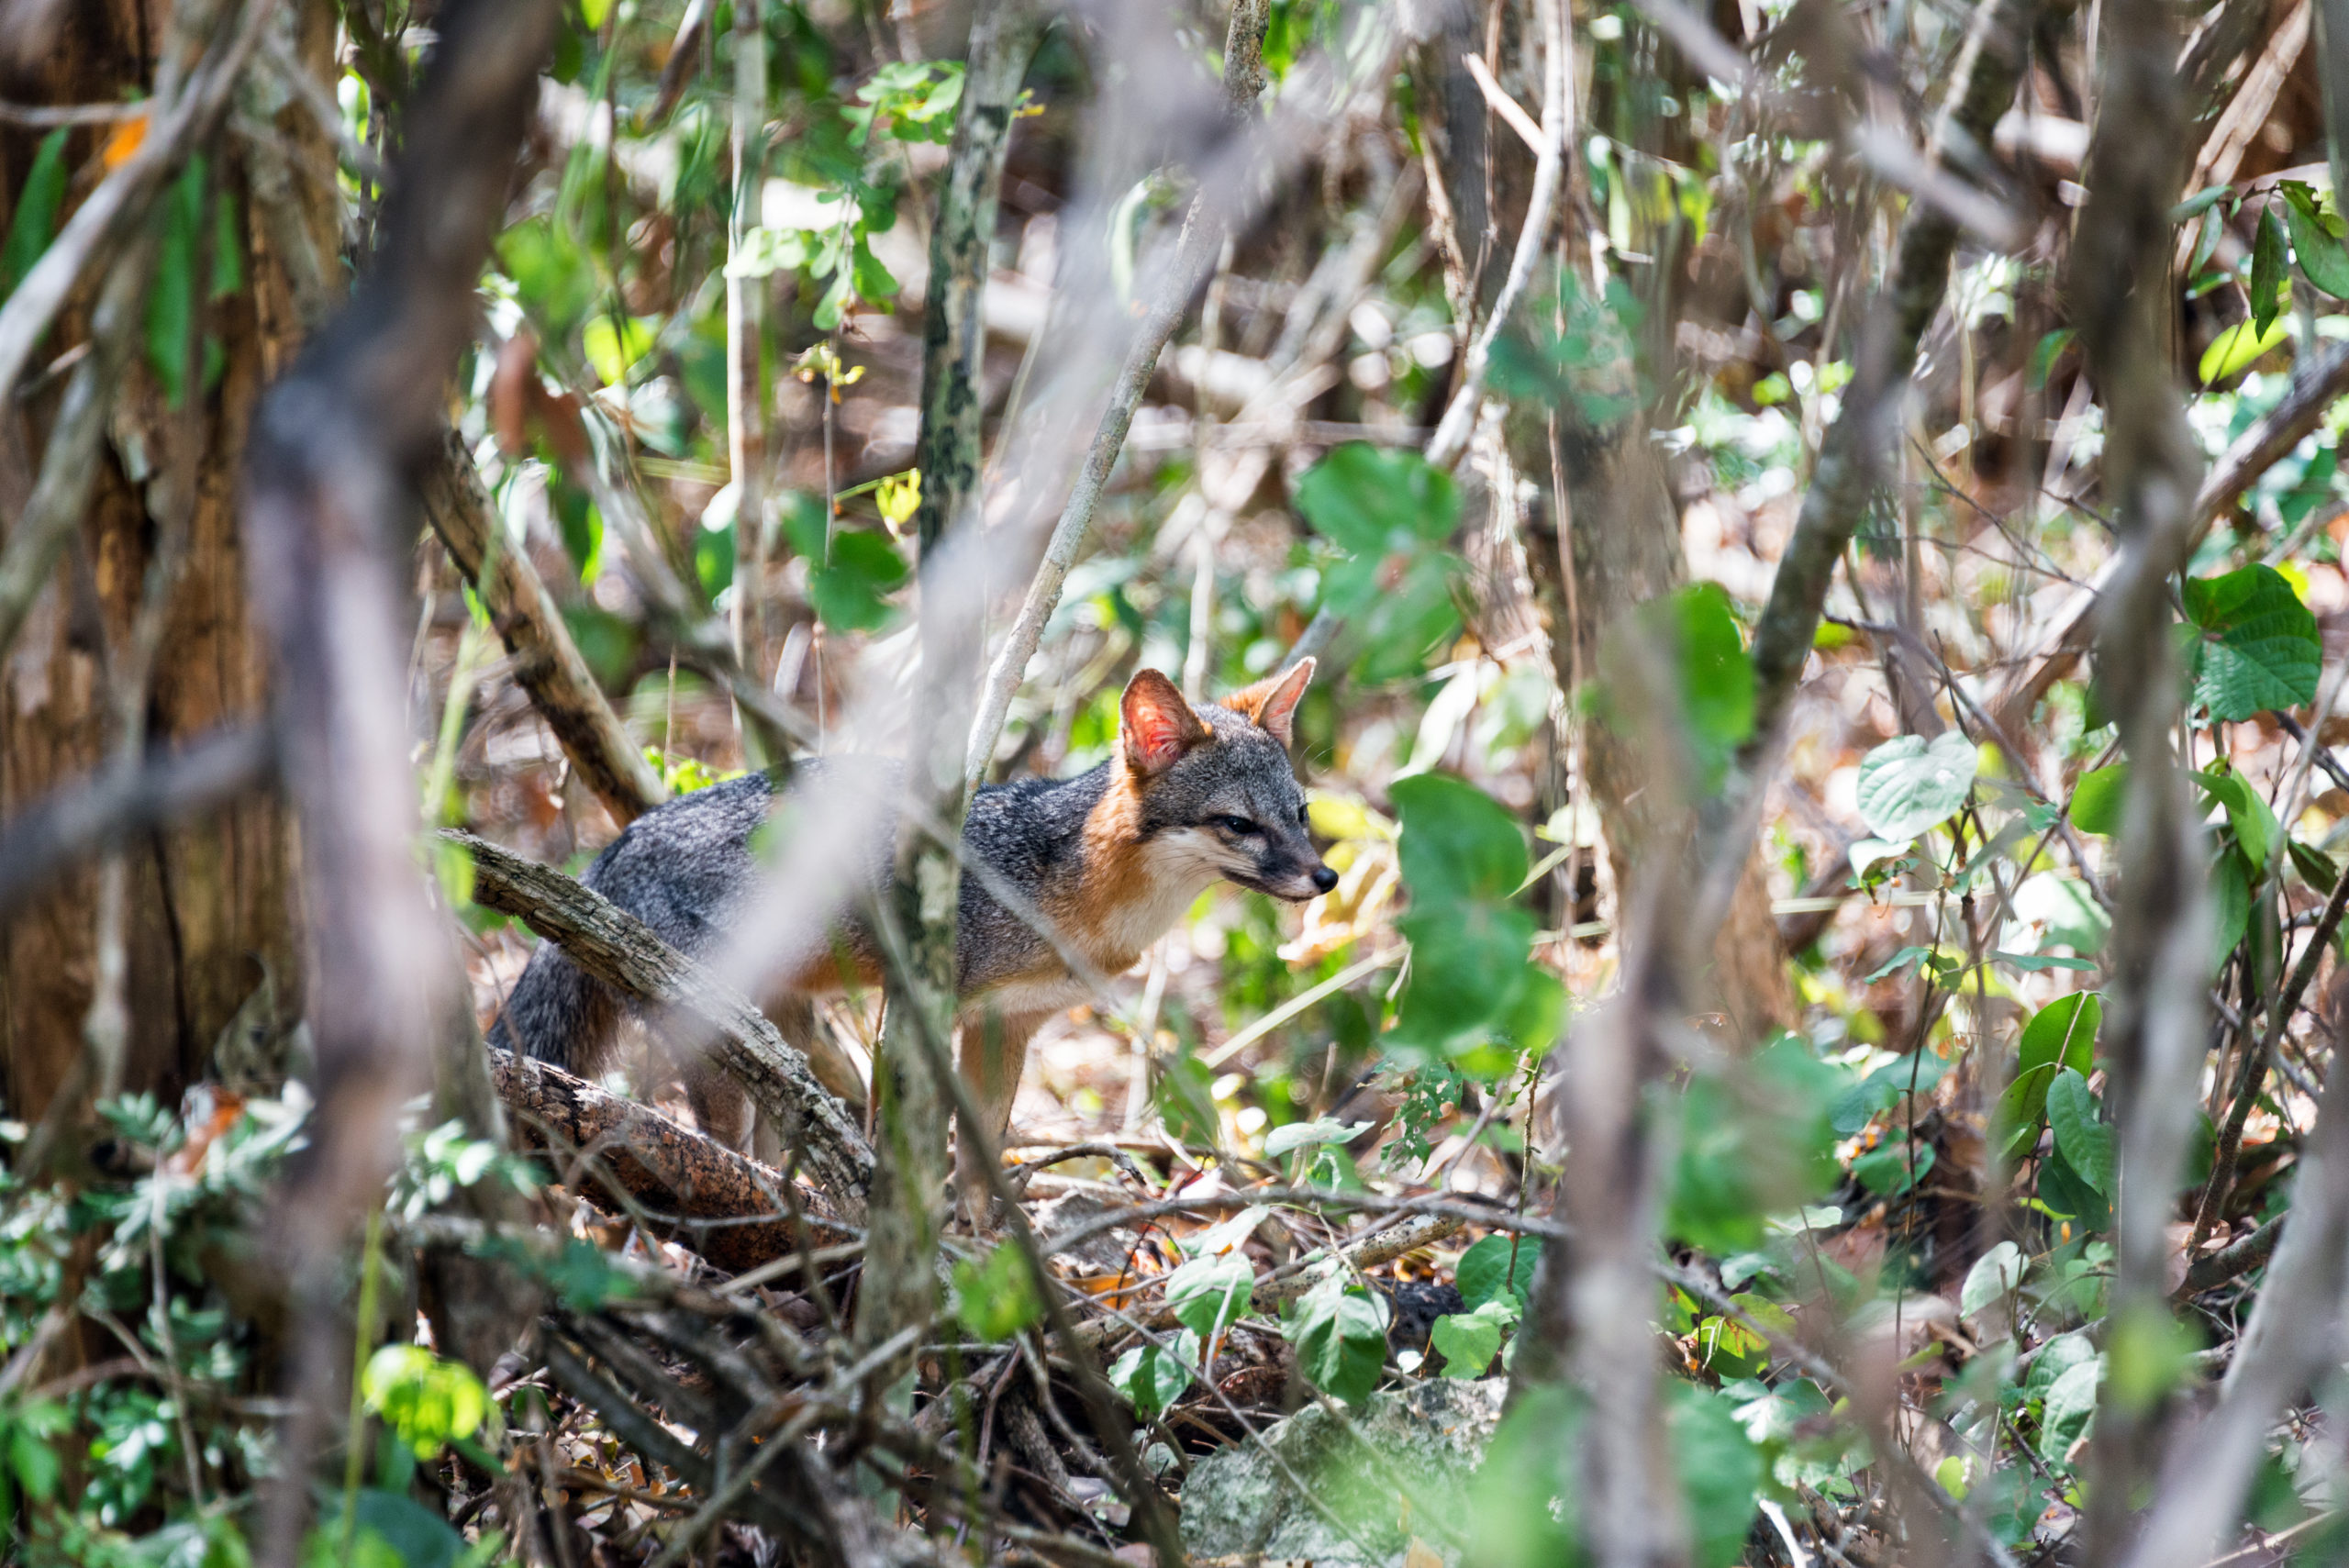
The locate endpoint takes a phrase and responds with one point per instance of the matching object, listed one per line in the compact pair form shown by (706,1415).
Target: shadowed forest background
(1821,529)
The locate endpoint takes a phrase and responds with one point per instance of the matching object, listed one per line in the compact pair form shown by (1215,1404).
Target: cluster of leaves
(159,1455)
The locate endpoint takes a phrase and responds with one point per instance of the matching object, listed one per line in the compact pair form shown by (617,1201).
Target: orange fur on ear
(1156,725)
(1271,702)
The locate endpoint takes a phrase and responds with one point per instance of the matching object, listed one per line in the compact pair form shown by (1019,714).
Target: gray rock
(1409,1479)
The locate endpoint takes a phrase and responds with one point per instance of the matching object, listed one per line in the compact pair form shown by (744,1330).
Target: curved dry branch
(620,950)
(548,664)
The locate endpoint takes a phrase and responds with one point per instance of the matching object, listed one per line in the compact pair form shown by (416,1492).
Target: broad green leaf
(1892,1168)
(2324,260)
(2254,823)
(1993,1277)
(2066,1193)
(1209,1294)
(1497,1266)
(1374,503)
(2015,1119)
(1458,844)
(995,1297)
(848,581)
(1340,1332)
(2239,347)
(34,224)
(2254,644)
(1720,1473)
(612,346)
(428,1401)
(2270,271)
(1300,1134)
(2070,1403)
(1390,512)
(1152,1377)
(1467,964)
(1756,1139)
(1716,676)
(2098,799)
(1909,784)
(2062,1033)
(2086,1141)
(1469,1341)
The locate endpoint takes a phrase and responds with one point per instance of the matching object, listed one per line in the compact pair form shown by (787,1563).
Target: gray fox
(1112,857)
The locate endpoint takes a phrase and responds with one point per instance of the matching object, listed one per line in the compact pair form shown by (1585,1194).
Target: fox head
(1215,785)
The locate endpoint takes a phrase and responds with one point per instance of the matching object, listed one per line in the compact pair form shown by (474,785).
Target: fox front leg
(993,1054)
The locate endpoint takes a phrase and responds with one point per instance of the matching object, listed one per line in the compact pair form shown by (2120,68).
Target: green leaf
(2239,347)
(2231,903)
(2324,260)
(1495,1266)
(1890,1169)
(1720,1473)
(1151,1377)
(2254,823)
(1469,1341)
(593,13)
(2086,1141)
(2200,202)
(171,296)
(1909,784)
(2044,355)
(2270,271)
(1716,677)
(1756,1139)
(426,1400)
(1458,844)
(2098,798)
(1340,1333)
(1993,1277)
(1210,1294)
(1390,512)
(2070,1403)
(1373,502)
(612,346)
(2255,645)
(2062,1033)
(995,1297)
(34,224)
(2015,1120)
(2066,1193)
(1301,1134)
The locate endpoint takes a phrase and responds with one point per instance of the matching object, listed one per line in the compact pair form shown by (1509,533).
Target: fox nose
(1324,878)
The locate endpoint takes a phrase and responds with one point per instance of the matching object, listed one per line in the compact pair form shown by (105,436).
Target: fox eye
(1239,825)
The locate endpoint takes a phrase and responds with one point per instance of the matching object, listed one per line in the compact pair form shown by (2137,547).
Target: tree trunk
(1622,523)
(208,917)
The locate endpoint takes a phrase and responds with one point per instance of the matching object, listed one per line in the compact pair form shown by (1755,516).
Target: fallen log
(681,1186)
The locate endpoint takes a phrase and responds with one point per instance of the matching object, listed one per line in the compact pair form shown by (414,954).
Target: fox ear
(1157,724)
(1271,702)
